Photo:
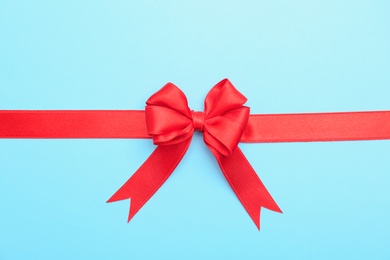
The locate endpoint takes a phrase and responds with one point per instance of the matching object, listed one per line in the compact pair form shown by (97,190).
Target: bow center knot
(197,120)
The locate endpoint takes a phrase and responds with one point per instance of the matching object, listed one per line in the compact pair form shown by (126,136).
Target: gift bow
(170,121)
(171,124)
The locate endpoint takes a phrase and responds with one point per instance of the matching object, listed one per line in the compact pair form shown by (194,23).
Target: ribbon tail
(245,183)
(144,183)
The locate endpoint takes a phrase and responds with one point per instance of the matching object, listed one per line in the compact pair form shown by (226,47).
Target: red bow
(171,124)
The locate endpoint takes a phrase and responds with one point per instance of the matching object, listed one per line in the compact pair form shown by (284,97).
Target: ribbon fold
(169,121)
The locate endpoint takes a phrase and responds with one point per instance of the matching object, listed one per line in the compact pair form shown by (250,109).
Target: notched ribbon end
(256,217)
(131,212)
(119,195)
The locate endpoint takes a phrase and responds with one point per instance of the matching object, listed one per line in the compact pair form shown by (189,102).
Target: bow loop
(168,118)
(170,96)
(225,117)
(223,97)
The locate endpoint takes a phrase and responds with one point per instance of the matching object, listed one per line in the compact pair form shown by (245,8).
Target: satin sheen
(171,124)
(261,128)
(224,122)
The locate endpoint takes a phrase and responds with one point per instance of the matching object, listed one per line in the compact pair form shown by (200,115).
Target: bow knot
(170,121)
(197,120)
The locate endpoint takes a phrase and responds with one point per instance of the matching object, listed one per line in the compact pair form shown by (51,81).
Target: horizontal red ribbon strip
(261,128)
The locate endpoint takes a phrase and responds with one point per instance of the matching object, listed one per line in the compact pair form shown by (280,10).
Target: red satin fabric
(170,121)
(73,124)
(314,127)
(150,176)
(261,128)
(225,122)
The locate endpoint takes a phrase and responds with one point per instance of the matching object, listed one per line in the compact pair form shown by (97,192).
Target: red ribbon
(225,122)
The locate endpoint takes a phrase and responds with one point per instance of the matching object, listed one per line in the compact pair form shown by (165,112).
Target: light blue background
(285,56)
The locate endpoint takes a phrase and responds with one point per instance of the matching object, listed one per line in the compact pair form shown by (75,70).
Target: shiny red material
(170,123)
